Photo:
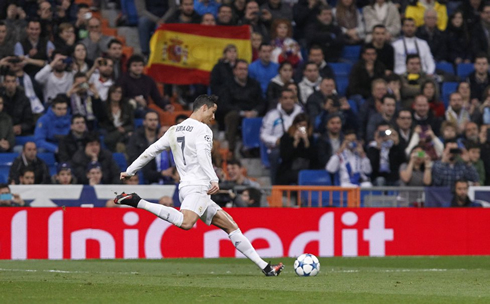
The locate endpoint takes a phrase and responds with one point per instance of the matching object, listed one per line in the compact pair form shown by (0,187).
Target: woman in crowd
(458,39)
(276,85)
(297,152)
(430,90)
(80,61)
(285,47)
(350,20)
(418,171)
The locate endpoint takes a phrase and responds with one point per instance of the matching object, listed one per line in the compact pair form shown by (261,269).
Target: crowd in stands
(384,118)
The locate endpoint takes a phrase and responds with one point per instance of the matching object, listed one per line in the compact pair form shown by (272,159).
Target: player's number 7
(181,140)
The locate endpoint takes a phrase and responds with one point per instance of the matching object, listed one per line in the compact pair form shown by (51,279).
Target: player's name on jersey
(184,128)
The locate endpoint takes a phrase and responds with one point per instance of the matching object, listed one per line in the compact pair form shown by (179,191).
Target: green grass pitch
(341,280)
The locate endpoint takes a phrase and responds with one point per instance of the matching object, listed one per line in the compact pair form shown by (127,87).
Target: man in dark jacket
(92,152)
(7,137)
(143,137)
(324,32)
(259,21)
(185,14)
(423,116)
(364,72)
(75,140)
(478,35)
(479,79)
(242,98)
(434,37)
(29,158)
(17,105)
(222,72)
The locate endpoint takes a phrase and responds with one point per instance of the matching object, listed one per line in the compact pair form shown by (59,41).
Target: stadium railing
(314,196)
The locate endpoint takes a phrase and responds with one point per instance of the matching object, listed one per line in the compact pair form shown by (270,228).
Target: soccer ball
(307,265)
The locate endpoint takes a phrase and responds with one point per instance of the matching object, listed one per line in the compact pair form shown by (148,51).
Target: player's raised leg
(224,221)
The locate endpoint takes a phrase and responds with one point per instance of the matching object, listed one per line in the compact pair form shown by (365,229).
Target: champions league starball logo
(175,51)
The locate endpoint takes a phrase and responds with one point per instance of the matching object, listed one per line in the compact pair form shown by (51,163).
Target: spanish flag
(186,53)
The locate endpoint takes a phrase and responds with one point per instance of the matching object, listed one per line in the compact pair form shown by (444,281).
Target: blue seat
(464,69)
(446,67)
(353,106)
(21,140)
(342,84)
(120,159)
(4,174)
(447,89)
(314,178)
(264,157)
(48,158)
(341,69)
(251,132)
(351,53)
(6,159)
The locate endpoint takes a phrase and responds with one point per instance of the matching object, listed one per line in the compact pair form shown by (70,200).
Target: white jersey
(191,142)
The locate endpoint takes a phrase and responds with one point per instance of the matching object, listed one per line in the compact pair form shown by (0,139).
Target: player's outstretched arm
(124,176)
(150,153)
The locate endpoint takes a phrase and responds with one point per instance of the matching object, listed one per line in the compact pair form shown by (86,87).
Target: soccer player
(191,142)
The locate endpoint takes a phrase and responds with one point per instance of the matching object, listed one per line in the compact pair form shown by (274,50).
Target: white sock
(244,246)
(168,214)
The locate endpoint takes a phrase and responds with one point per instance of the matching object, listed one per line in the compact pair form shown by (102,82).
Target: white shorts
(196,199)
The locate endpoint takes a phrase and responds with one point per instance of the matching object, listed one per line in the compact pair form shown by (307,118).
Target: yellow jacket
(416,12)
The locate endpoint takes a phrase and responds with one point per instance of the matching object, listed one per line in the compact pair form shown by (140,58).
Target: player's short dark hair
(254,194)
(180,117)
(113,41)
(76,116)
(204,99)
(234,162)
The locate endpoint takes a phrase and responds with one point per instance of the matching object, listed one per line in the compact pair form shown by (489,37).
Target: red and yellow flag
(186,53)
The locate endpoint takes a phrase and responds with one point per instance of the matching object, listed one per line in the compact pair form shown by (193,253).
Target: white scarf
(381,11)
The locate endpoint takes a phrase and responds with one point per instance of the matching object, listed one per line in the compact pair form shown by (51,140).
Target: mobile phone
(302,129)
(15,60)
(455,151)
(68,60)
(6,197)
(421,154)
(84,85)
(87,16)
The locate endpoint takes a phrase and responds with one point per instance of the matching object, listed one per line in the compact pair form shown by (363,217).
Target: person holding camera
(387,113)
(351,163)
(386,155)
(418,171)
(54,78)
(259,20)
(101,76)
(8,199)
(85,100)
(451,168)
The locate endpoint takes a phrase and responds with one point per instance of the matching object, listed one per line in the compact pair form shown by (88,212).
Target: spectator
(479,79)
(456,113)
(275,124)
(296,150)
(334,105)
(326,34)
(423,116)
(386,156)
(430,90)
(208,19)
(143,137)
(118,122)
(263,69)
(74,140)
(80,61)
(409,44)
(310,82)
(225,15)
(304,12)
(364,72)
(278,9)
(404,127)
(8,199)
(45,14)
(151,14)
(26,176)
(28,158)
(457,39)
(461,198)
(418,171)
(223,71)
(259,23)
(185,13)
(63,175)
(449,131)
(435,38)
(54,78)
(424,137)
(93,153)
(474,152)
(331,140)
(85,100)
(250,197)
(7,137)
(96,42)
(257,40)
(140,87)
(387,114)
(285,48)
(418,10)
(17,105)
(316,55)
(115,53)
(65,39)
(161,169)
(351,163)
(350,21)
(471,134)
(6,41)
(384,50)
(94,173)
(412,80)
(242,98)
(34,46)
(372,105)
(449,169)
(101,76)
(471,12)
(16,22)
(382,12)
(394,86)
(83,16)
(53,126)
(293,86)
(316,101)
(469,103)
(277,84)
(478,32)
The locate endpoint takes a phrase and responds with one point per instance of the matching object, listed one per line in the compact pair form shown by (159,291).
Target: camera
(421,154)
(6,197)
(302,129)
(87,16)
(103,62)
(15,60)
(84,85)
(455,151)
(68,61)
(384,133)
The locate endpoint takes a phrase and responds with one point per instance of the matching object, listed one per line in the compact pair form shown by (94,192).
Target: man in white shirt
(101,75)
(191,142)
(310,83)
(409,44)
(54,78)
